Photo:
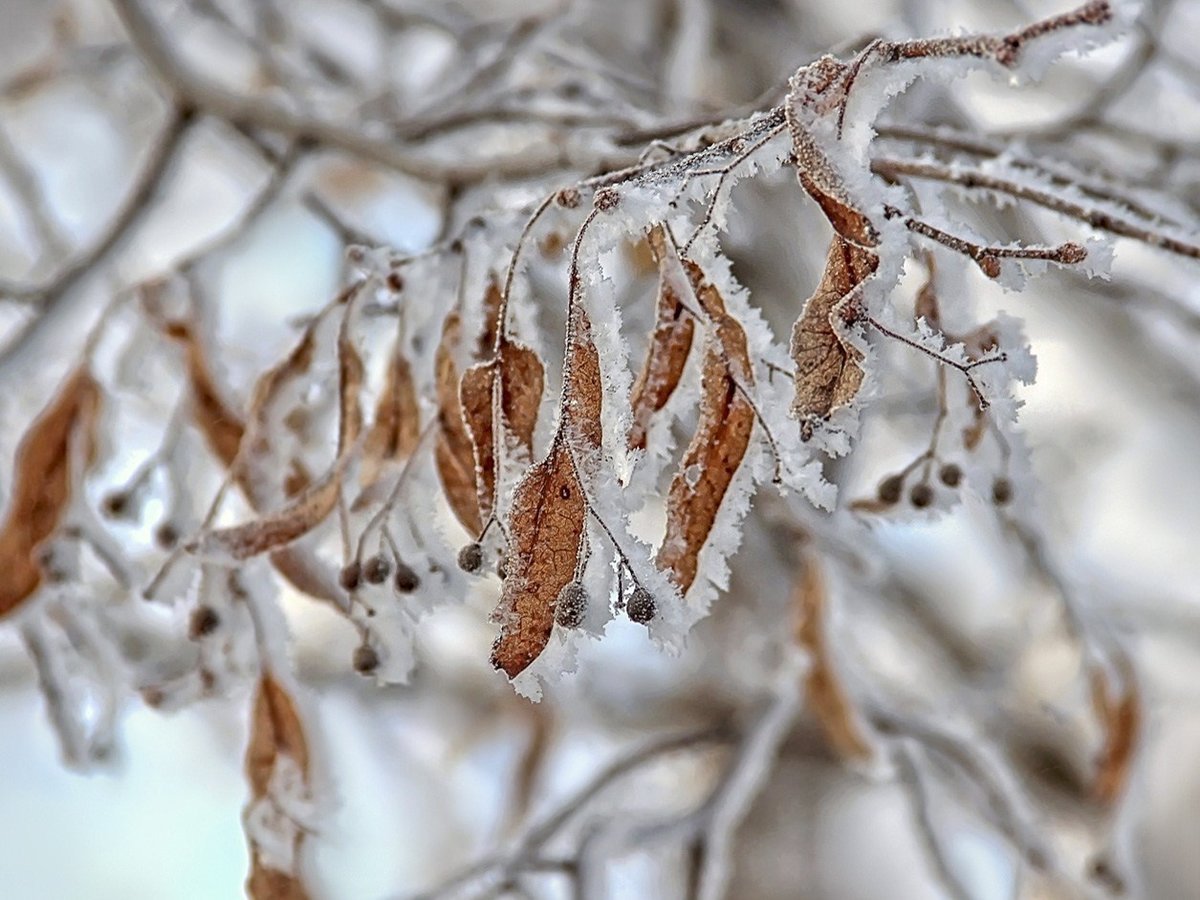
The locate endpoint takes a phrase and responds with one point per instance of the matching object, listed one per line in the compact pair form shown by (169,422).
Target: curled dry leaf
(276,736)
(351,374)
(493,310)
(828,368)
(546,526)
(302,514)
(313,504)
(396,425)
(826,695)
(1120,714)
(42,480)
(513,374)
(454,454)
(548,518)
(224,429)
(722,437)
(670,344)
(927,306)
(220,424)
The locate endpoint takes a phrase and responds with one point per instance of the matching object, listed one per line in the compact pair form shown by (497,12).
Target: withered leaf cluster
(548,518)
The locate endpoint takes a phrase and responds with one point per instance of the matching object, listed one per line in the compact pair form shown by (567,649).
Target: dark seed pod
(470,557)
(366,660)
(166,535)
(921,495)
(376,570)
(406,579)
(605,199)
(351,575)
(641,607)
(203,622)
(571,606)
(115,504)
(890,489)
(1001,491)
(950,474)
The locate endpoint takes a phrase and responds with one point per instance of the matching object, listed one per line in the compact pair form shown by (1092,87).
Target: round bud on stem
(571,606)
(921,495)
(606,198)
(351,576)
(890,489)
(166,535)
(470,557)
(366,660)
(115,504)
(1001,491)
(1072,253)
(376,570)
(641,607)
(951,475)
(203,622)
(406,580)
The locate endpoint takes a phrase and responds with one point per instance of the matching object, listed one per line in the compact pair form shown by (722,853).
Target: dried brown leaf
(583,389)
(826,695)
(221,425)
(517,376)
(224,430)
(1120,717)
(351,374)
(546,527)
(670,344)
(266,883)
(827,191)
(302,514)
(493,308)
(547,522)
(41,491)
(275,731)
(454,454)
(828,369)
(396,425)
(718,445)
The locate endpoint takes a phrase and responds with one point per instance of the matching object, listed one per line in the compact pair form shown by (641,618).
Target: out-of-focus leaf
(454,454)
(826,695)
(1120,714)
(42,479)
(302,514)
(276,732)
(396,425)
